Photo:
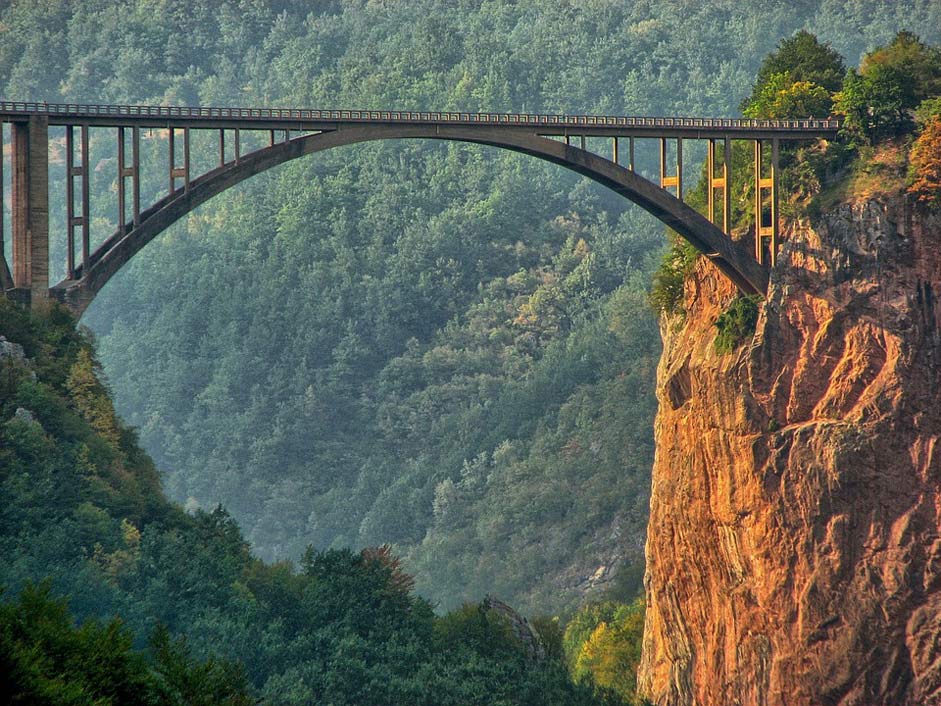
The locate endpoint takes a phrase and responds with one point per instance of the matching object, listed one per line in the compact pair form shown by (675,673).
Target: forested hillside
(444,347)
(176,611)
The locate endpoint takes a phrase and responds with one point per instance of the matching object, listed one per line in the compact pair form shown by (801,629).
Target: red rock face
(794,544)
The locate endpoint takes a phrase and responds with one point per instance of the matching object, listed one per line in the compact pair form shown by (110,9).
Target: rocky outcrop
(794,544)
(13,351)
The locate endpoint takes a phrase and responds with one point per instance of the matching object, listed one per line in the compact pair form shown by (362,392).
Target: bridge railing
(295,114)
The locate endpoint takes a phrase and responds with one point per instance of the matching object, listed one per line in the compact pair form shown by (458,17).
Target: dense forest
(439,347)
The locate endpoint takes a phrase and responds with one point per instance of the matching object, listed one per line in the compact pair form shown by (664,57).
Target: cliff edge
(794,544)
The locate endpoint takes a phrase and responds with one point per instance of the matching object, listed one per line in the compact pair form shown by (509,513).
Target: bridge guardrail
(523,119)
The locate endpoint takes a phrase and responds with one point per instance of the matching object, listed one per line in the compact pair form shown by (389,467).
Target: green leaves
(797,80)
(878,100)
(737,323)
(783,98)
(46,660)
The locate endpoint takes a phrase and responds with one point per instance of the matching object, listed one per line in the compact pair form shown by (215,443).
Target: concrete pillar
(31,209)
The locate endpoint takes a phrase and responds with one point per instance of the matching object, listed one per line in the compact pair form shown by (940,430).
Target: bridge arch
(732,259)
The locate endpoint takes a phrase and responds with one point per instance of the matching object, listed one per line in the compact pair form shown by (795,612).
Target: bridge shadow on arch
(732,259)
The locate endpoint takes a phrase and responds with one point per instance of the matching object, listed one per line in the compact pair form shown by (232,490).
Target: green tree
(805,58)
(783,98)
(796,80)
(878,100)
(46,660)
(603,644)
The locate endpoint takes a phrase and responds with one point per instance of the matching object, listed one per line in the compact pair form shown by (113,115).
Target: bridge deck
(304,120)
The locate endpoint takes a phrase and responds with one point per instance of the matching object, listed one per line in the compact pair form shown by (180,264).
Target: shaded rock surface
(12,350)
(794,544)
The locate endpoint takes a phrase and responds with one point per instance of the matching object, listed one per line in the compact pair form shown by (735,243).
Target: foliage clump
(797,80)
(736,323)
(46,660)
(666,292)
(602,643)
(925,163)
(878,100)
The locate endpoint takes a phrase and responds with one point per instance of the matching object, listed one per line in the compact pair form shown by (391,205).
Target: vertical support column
(222,148)
(775,156)
(31,208)
(70,199)
(135,177)
(711,179)
(20,182)
(759,207)
(614,149)
(719,183)
(175,171)
(582,142)
(238,146)
(676,181)
(125,172)
(186,159)
(6,278)
(86,219)
(679,168)
(630,153)
(727,192)
(122,206)
(663,162)
(765,185)
(172,158)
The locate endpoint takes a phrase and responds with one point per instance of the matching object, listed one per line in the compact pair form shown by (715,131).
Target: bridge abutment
(30,183)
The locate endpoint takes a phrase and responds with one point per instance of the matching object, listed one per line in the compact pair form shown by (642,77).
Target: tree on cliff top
(878,100)
(796,80)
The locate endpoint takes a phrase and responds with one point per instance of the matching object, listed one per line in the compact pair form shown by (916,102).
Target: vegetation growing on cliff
(925,162)
(891,99)
(737,323)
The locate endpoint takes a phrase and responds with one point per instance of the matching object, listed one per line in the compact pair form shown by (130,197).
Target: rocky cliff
(794,544)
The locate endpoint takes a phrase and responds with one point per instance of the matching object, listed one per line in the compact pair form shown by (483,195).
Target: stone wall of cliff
(794,544)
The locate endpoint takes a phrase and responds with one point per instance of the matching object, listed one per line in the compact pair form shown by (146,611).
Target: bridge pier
(676,179)
(30,181)
(766,187)
(720,182)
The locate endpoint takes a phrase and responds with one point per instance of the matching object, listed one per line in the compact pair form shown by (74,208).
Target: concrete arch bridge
(293,133)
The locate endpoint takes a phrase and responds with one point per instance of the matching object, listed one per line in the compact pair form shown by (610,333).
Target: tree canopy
(796,80)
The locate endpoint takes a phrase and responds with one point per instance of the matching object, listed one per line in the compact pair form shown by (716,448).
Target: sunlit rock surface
(794,544)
